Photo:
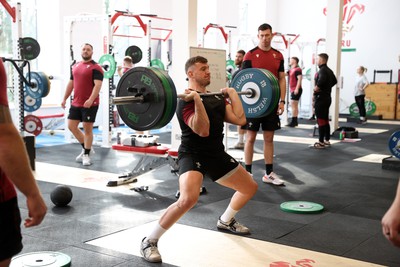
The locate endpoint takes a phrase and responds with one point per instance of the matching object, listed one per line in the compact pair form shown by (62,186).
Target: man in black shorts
(14,170)
(202,153)
(265,57)
(86,80)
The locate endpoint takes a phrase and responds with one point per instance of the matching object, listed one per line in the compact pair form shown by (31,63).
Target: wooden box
(385,98)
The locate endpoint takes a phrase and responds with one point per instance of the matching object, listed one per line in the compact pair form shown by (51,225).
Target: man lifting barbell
(202,153)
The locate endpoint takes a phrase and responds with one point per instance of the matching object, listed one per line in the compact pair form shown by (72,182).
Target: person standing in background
(265,57)
(241,131)
(359,92)
(86,81)
(295,77)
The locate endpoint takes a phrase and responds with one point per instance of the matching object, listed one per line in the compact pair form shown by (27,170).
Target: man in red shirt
(265,57)
(14,170)
(295,77)
(86,80)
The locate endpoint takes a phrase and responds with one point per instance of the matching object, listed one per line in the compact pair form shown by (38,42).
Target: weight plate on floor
(33,124)
(301,207)
(40,84)
(31,104)
(135,53)
(108,63)
(43,258)
(140,81)
(394,144)
(30,48)
(253,78)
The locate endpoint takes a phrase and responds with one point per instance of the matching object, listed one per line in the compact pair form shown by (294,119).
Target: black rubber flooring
(355,196)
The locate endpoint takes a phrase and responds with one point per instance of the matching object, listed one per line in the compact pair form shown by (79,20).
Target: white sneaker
(149,251)
(86,160)
(239,145)
(272,178)
(233,226)
(79,157)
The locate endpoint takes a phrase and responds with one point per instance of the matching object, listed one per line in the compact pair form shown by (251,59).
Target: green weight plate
(135,53)
(301,207)
(171,97)
(370,109)
(308,74)
(108,63)
(174,97)
(157,63)
(43,258)
(230,67)
(40,86)
(275,90)
(146,115)
(31,104)
(30,48)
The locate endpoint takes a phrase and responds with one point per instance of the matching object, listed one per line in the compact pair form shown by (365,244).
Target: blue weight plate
(40,86)
(394,144)
(256,79)
(31,104)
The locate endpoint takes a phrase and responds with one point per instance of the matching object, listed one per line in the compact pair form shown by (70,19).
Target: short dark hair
(88,45)
(324,56)
(193,60)
(296,59)
(241,51)
(264,27)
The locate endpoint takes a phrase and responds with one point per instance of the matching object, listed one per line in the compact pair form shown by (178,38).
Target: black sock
(83,145)
(87,151)
(321,131)
(248,168)
(268,168)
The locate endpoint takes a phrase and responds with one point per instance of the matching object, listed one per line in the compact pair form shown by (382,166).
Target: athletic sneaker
(149,250)
(239,145)
(233,226)
(272,178)
(79,157)
(86,160)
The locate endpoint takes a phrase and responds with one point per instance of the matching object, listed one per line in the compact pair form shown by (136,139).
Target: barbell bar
(126,100)
(146,97)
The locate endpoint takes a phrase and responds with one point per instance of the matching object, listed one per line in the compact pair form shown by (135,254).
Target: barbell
(146,98)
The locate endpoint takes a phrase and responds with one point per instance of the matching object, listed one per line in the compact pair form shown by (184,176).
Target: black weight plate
(275,90)
(135,53)
(253,78)
(174,96)
(147,115)
(30,48)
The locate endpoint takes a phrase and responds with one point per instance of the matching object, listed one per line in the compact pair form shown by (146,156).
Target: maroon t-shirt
(271,60)
(83,75)
(7,190)
(293,78)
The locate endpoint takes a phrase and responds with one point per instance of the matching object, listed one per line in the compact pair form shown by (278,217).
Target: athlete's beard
(86,58)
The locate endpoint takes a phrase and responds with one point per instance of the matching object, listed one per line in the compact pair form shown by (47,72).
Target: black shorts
(213,166)
(268,123)
(83,114)
(10,229)
(296,97)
